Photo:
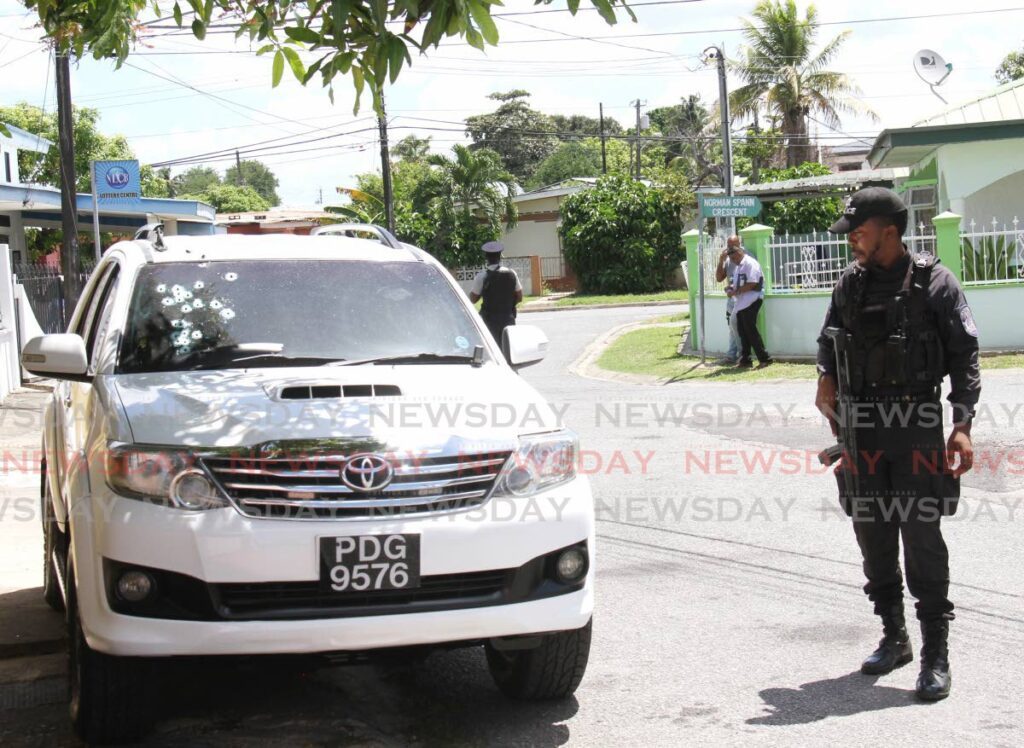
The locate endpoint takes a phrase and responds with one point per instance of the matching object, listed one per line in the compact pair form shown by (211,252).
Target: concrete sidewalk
(32,636)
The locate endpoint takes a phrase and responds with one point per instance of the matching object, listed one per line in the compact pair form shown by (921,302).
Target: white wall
(9,359)
(792,323)
(966,168)
(1003,199)
(531,237)
(715,328)
(996,312)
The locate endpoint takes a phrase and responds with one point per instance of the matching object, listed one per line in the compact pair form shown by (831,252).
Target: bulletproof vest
(499,295)
(896,343)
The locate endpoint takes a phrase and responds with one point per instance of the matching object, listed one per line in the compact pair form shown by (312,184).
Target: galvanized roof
(999,105)
(841,182)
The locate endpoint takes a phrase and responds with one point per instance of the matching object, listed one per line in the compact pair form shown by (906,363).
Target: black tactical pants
(497,326)
(901,485)
(750,337)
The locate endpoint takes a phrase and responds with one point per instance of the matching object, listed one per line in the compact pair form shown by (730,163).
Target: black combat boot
(894,649)
(934,681)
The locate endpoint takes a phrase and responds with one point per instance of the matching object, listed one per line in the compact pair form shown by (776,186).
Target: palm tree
(786,78)
(470,196)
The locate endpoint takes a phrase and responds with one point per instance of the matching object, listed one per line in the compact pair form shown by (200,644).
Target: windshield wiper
(418,358)
(269,354)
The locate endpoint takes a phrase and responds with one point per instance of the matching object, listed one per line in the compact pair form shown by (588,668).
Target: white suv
(301,445)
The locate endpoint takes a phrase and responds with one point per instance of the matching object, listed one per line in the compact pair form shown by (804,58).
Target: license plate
(366,563)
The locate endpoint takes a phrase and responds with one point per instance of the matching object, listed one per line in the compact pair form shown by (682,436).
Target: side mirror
(524,345)
(58,356)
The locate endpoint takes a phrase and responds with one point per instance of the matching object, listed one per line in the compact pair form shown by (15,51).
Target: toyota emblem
(366,472)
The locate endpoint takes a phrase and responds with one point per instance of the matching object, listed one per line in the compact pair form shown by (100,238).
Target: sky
(195,97)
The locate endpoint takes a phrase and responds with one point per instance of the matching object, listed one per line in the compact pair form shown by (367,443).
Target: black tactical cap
(868,203)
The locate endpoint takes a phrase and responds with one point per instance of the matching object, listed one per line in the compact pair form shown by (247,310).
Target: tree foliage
(784,76)
(1011,68)
(411,148)
(698,150)
(622,237)
(800,216)
(572,126)
(230,198)
(90,145)
(368,41)
(468,197)
(573,159)
(257,175)
(521,136)
(195,180)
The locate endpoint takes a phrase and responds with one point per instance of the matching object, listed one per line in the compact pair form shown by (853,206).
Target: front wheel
(552,670)
(110,698)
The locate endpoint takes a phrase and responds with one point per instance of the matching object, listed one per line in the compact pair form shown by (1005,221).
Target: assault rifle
(846,445)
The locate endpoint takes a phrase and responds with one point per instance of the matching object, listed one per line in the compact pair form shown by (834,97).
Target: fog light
(519,480)
(571,566)
(134,586)
(193,490)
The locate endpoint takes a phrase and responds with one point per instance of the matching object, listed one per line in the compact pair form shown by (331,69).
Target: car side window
(101,315)
(82,323)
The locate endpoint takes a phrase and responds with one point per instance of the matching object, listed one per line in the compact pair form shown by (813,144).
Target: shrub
(621,236)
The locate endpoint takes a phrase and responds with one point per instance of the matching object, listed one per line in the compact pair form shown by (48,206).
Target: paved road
(729,609)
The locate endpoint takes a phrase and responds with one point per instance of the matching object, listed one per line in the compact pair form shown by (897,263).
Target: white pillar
(16,238)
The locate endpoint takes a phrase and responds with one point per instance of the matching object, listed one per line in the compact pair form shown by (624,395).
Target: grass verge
(652,351)
(622,298)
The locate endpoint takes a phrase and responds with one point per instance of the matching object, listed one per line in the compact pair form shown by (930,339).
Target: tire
(53,540)
(553,670)
(109,698)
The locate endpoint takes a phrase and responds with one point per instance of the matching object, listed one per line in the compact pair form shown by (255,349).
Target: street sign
(723,206)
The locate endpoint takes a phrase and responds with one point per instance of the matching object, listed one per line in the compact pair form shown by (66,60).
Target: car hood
(438,405)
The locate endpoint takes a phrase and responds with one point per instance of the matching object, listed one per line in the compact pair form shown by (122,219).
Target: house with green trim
(961,173)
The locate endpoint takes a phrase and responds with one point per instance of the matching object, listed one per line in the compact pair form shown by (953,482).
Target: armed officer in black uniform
(500,289)
(906,325)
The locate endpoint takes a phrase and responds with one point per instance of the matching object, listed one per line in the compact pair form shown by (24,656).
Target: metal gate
(44,289)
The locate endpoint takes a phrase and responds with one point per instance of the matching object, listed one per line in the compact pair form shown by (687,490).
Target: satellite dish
(932,69)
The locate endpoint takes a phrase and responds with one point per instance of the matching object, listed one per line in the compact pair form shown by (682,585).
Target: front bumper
(224,550)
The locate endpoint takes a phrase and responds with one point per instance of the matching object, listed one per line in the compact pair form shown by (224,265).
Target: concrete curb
(586,364)
(553,308)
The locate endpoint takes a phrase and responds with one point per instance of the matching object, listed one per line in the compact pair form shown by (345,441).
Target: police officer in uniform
(500,289)
(908,326)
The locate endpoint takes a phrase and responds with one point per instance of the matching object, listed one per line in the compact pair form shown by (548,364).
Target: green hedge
(621,236)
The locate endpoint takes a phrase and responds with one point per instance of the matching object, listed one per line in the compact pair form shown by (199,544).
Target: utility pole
(716,53)
(755,162)
(385,167)
(638,104)
(68,192)
(604,156)
(238,164)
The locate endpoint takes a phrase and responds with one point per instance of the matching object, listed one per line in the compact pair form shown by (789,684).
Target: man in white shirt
(726,269)
(500,289)
(748,292)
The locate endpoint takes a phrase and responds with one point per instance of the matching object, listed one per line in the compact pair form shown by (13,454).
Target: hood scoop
(336,391)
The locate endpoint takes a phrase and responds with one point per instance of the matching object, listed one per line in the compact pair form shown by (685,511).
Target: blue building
(25,205)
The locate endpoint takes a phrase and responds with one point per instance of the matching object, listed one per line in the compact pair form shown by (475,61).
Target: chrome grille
(309,486)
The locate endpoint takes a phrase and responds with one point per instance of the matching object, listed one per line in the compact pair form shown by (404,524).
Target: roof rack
(348,229)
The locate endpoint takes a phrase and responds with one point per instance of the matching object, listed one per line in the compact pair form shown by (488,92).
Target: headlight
(541,462)
(166,477)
